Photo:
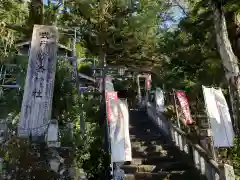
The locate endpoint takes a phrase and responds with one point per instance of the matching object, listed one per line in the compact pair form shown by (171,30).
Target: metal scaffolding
(9,76)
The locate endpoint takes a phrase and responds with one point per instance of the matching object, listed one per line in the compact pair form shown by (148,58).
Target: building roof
(27,43)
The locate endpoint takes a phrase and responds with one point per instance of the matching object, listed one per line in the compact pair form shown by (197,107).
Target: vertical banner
(219,117)
(148,82)
(159,97)
(182,98)
(117,115)
(125,118)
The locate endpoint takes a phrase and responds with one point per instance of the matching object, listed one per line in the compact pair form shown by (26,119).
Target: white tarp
(118,117)
(219,117)
(159,96)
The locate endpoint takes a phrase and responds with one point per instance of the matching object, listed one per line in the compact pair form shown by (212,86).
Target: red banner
(182,98)
(111,100)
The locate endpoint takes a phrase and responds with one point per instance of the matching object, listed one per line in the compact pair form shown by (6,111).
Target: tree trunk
(229,60)
(233,27)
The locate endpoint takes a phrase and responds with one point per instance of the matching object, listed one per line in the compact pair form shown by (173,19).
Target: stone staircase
(153,157)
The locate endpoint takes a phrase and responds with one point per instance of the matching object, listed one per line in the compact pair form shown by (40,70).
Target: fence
(201,159)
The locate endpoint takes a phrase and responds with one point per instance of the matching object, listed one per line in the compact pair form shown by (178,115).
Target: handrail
(202,161)
(200,150)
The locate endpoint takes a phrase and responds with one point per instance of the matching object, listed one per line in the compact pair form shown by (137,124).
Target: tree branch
(15,27)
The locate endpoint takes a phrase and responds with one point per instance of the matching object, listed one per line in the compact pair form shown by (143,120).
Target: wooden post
(139,89)
(176,110)
(227,172)
(38,91)
(76,74)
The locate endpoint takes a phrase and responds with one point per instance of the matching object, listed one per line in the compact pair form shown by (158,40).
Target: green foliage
(88,151)
(236,156)
(10,12)
(131,33)
(190,51)
(192,58)
(126,32)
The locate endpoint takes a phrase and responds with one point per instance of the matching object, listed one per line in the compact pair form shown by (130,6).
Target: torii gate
(147,85)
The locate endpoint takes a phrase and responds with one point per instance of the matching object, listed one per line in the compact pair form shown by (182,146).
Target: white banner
(127,142)
(219,117)
(118,117)
(159,96)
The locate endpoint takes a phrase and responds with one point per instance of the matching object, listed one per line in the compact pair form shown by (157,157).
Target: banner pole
(75,69)
(109,169)
(176,110)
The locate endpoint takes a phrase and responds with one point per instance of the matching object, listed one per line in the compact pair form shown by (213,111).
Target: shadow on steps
(154,157)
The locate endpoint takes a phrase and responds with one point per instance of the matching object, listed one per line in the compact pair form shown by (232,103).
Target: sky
(177,15)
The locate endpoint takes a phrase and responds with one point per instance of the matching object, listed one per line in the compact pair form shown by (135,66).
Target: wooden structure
(9,76)
(141,88)
(24,47)
(39,84)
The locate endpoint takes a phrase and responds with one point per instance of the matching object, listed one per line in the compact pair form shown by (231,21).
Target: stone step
(149,151)
(179,166)
(151,146)
(131,169)
(159,167)
(148,140)
(145,137)
(155,176)
(152,160)
(144,154)
(145,126)
(156,150)
(146,131)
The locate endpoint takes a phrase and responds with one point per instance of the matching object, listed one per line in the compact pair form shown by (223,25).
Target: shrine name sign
(39,85)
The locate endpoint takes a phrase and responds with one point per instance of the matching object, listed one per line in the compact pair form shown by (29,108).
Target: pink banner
(118,118)
(182,98)
(111,100)
(148,82)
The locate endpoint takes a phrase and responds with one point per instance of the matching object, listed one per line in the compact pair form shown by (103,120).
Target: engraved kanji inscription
(40,68)
(45,35)
(41,56)
(45,106)
(27,110)
(34,93)
(37,93)
(43,42)
(41,80)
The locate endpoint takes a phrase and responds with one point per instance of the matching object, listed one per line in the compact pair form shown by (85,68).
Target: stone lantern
(54,164)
